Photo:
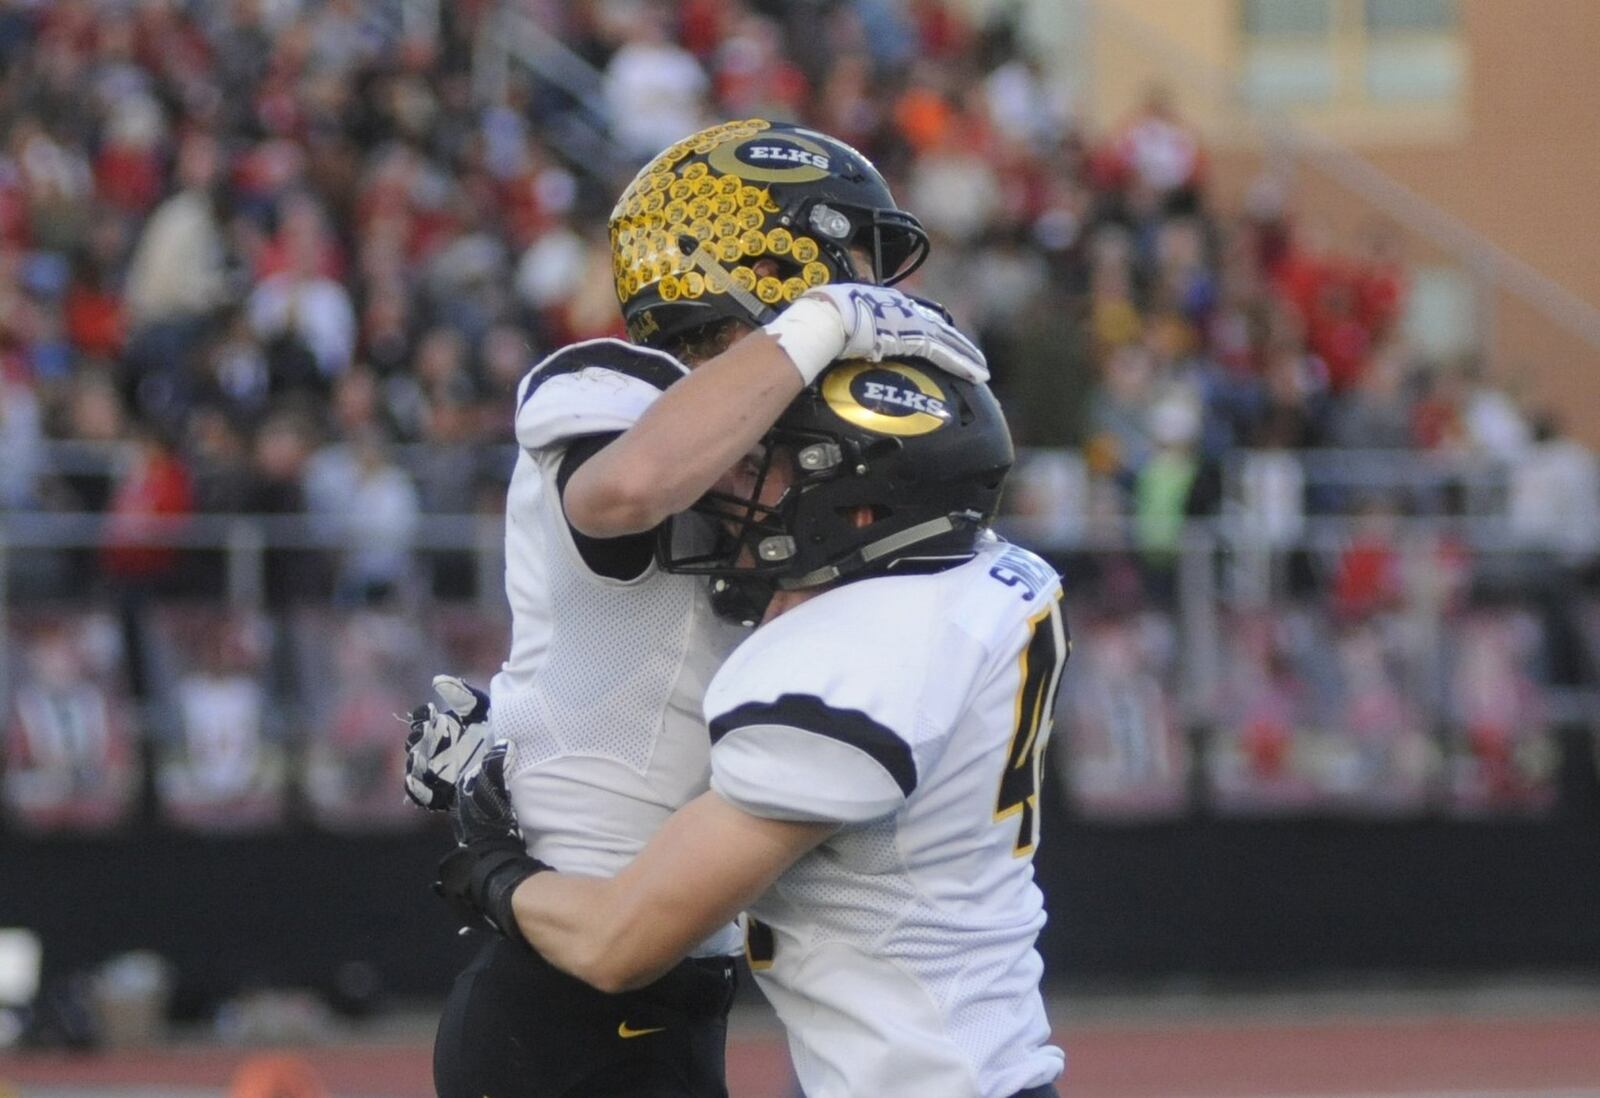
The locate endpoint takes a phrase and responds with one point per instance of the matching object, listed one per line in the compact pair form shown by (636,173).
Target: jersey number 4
(1043,657)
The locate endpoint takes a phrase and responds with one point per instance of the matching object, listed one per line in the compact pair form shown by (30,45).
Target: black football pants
(516,1027)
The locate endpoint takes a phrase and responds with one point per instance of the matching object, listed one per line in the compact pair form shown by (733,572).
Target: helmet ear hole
(862,515)
(881,448)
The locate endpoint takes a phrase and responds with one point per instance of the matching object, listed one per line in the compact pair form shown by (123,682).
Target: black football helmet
(688,229)
(890,467)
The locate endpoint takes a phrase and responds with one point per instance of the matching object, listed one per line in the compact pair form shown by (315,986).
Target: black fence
(1210,898)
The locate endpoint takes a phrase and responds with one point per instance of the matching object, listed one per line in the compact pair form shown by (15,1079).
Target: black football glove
(478,877)
(445,743)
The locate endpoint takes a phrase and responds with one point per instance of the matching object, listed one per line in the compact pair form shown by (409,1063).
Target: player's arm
(703,424)
(709,861)
(688,438)
(705,865)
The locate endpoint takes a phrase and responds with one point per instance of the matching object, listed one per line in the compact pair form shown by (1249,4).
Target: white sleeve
(590,388)
(799,758)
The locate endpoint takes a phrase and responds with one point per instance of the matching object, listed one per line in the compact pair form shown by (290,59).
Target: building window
(1325,53)
(1289,56)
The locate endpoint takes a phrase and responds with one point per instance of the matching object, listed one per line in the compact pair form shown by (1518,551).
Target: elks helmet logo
(775,151)
(773,158)
(889,398)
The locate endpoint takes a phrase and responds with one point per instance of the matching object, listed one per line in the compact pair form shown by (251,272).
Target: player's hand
(881,322)
(446,742)
(478,877)
(482,812)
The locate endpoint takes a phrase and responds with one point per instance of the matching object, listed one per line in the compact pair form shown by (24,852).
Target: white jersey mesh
(602,692)
(903,960)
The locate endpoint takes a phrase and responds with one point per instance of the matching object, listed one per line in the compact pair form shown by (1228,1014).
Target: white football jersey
(602,691)
(913,710)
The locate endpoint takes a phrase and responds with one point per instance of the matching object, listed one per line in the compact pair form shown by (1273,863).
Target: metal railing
(580,134)
(1398,470)
(1218,568)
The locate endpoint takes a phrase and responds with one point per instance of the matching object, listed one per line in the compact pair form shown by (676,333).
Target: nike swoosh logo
(624,1032)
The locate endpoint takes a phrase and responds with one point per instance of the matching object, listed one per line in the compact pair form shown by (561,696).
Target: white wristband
(811,332)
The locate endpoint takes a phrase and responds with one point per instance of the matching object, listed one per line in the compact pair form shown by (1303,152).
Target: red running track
(1556,1056)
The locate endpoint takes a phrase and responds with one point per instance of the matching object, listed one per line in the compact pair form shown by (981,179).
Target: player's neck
(784,601)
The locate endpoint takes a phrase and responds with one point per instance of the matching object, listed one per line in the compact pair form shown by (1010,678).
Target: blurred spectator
(1490,418)
(221,768)
(373,507)
(1367,577)
(1025,105)
(654,89)
(153,500)
(55,181)
(845,105)
(176,274)
(753,77)
(303,317)
(93,312)
(1119,414)
(1157,153)
(222,462)
(68,756)
(549,269)
(1291,418)
(20,436)
(953,186)
(1436,414)
(1373,415)
(128,168)
(1174,485)
(282,448)
(286,234)
(1554,503)
(355,694)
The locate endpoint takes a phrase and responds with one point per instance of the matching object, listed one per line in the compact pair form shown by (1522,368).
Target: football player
(875,759)
(746,261)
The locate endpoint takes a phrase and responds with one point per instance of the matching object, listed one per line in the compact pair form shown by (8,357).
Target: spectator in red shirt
(1380,283)
(1367,577)
(1336,335)
(1156,152)
(155,498)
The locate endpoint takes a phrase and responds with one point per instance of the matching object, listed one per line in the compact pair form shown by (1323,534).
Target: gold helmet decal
(711,188)
(773,158)
(891,398)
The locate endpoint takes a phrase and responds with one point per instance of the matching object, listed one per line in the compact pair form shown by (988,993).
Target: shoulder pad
(599,385)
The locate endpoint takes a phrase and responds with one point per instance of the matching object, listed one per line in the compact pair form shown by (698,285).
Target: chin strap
(881,548)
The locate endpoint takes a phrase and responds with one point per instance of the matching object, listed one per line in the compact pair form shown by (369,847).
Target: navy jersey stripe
(810,713)
(652,367)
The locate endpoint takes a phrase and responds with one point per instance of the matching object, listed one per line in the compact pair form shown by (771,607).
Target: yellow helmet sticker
(713,188)
(769,290)
(889,398)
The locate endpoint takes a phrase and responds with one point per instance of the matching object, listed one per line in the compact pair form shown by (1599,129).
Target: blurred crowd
(291,258)
(267,245)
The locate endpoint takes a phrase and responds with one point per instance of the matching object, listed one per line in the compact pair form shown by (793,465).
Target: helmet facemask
(878,468)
